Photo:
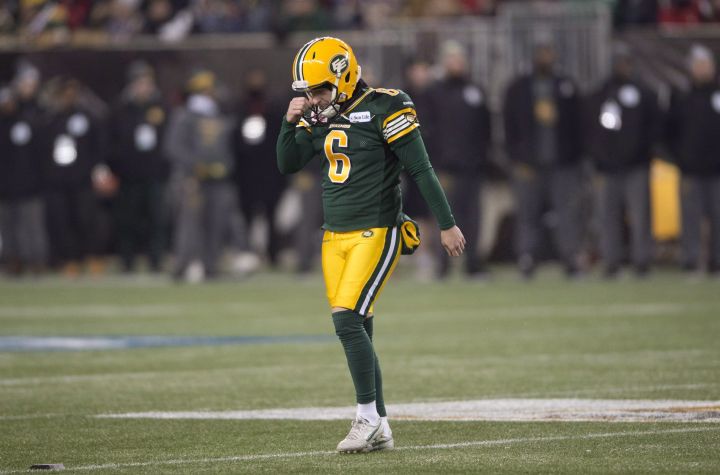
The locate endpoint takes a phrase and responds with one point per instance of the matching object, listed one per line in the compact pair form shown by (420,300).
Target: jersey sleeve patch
(399,124)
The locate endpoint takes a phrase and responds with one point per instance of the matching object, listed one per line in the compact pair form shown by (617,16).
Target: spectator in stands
(635,12)
(260,184)
(157,14)
(124,20)
(460,125)
(217,16)
(44,20)
(543,137)
(199,144)
(72,149)
(304,15)
(8,13)
(22,217)
(136,157)
(623,124)
(693,132)
(686,12)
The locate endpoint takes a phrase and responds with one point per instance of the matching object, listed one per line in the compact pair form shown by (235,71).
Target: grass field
(510,341)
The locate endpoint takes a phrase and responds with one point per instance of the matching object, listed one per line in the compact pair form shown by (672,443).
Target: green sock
(379,401)
(359,353)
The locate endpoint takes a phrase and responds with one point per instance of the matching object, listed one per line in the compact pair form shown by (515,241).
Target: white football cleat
(361,438)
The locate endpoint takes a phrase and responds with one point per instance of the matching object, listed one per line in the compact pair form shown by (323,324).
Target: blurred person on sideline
(308,233)
(259,183)
(460,142)
(22,214)
(419,80)
(26,86)
(72,152)
(199,144)
(623,124)
(543,136)
(136,157)
(693,134)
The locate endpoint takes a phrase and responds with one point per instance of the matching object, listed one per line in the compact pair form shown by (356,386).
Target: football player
(364,137)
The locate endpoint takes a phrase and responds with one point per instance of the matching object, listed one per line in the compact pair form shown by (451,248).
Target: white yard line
(325,453)
(516,410)
(517,407)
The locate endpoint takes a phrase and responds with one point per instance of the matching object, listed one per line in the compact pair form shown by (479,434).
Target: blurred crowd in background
(57,21)
(197,181)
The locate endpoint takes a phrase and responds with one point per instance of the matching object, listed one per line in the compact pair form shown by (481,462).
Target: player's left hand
(453,241)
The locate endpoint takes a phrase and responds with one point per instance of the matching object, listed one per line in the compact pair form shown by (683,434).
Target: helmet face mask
(325,63)
(323,110)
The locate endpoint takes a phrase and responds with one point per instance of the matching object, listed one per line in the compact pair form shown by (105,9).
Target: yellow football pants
(357,264)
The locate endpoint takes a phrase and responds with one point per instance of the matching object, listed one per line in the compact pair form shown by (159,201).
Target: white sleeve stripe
(389,136)
(395,121)
(397,128)
(398,124)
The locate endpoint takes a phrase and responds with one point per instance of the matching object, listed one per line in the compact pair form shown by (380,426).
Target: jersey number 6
(339,170)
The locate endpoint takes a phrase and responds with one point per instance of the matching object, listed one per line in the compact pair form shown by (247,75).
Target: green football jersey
(361,159)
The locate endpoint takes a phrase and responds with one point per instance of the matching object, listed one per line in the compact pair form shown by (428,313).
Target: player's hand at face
(296,109)
(453,241)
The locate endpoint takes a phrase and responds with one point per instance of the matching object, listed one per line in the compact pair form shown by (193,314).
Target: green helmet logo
(339,64)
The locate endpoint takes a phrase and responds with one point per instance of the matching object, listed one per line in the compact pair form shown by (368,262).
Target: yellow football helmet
(326,62)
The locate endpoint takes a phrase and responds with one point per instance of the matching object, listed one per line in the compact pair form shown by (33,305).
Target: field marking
(640,309)
(617,390)
(172,309)
(325,453)
(515,410)
(153,374)
(93,311)
(121,310)
(125,342)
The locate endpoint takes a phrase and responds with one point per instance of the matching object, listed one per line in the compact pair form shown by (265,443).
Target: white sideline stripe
(571,393)
(515,410)
(322,453)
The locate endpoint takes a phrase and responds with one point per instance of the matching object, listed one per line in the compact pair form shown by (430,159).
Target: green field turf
(455,341)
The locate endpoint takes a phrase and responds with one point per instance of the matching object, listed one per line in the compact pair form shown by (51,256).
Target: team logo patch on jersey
(338,64)
(356,117)
(368,233)
(410,117)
